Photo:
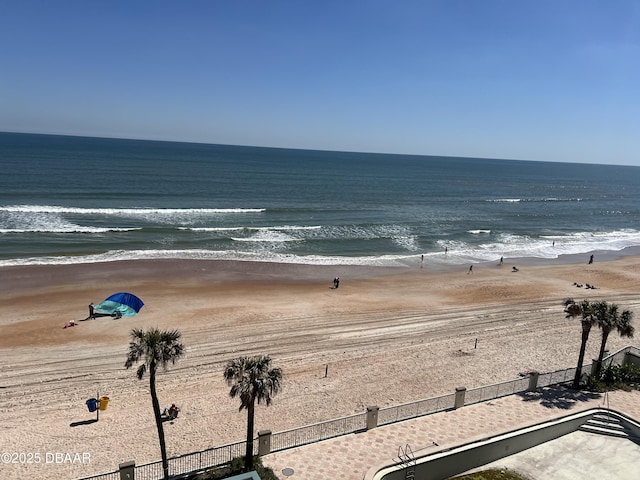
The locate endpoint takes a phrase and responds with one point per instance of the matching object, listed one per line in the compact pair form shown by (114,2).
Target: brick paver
(349,457)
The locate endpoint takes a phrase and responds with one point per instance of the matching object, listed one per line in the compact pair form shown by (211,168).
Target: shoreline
(387,336)
(239,270)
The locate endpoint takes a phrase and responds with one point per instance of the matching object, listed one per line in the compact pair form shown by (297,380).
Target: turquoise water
(81,200)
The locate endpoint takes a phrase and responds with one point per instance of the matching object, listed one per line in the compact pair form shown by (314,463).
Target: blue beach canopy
(125,303)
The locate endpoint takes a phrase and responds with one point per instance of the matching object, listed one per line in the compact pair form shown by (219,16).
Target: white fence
(212,457)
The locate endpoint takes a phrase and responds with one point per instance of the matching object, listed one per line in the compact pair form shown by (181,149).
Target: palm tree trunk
(156,413)
(583,348)
(248,460)
(603,346)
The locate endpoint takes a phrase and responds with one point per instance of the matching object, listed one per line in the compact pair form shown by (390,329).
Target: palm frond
(154,347)
(252,379)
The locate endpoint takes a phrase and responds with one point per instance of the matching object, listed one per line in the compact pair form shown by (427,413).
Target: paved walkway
(349,457)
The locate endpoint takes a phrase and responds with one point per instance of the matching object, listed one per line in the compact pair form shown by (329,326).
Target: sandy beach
(385,337)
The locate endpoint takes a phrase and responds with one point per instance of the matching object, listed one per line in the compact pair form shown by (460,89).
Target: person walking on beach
(590,259)
(501,260)
(336,282)
(421,261)
(470,269)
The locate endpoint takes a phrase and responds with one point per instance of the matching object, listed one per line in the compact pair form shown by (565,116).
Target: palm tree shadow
(562,398)
(83,422)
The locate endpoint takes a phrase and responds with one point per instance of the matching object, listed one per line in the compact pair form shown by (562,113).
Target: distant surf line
(123,211)
(523,200)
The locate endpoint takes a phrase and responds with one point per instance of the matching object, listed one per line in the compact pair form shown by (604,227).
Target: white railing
(212,457)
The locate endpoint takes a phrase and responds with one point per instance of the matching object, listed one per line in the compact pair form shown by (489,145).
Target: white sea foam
(542,199)
(38,222)
(56,219)
(547,247)
(362,232)
(408,242)
(120,255)
(291,227)
(240,228)
(459,252)
(142,211)
(69,229)
(269,236)
(212,229)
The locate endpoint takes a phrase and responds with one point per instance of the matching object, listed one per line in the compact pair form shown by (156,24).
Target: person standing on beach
(470,269)
(590,259)
(92,314)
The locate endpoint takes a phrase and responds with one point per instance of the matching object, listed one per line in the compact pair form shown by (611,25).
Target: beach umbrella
(126,304)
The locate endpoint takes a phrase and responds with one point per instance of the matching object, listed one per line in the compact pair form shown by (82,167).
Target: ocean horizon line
(308,149)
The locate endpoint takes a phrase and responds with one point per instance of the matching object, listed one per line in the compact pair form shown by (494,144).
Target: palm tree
(252,378)
(155,348)
(608,319)
(584,310)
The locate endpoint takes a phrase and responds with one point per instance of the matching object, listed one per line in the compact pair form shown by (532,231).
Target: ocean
(82,200)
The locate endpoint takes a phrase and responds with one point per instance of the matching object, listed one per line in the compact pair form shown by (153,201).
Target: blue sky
(546,80)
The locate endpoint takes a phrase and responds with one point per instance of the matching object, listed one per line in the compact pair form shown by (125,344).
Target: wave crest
(129,211)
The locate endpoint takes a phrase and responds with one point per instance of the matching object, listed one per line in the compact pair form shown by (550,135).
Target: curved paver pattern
(350,457)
